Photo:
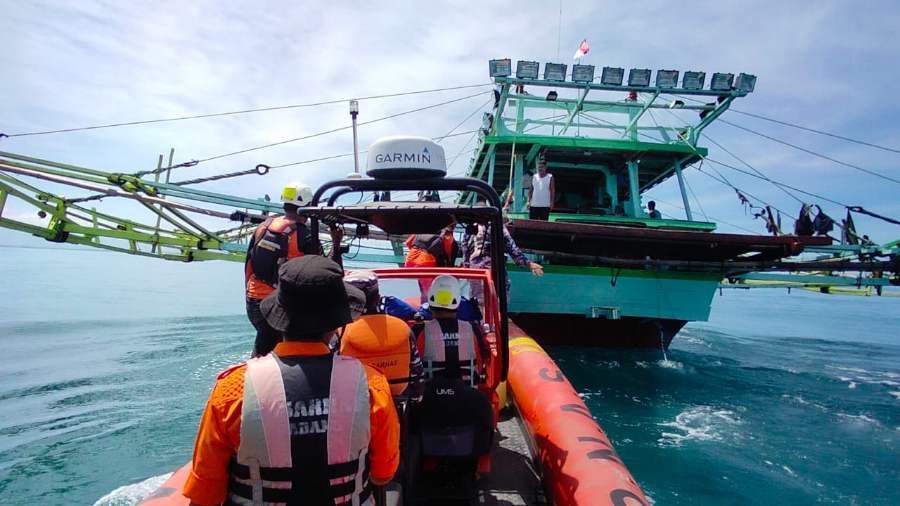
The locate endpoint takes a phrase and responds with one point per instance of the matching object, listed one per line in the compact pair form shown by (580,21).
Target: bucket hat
(310,298)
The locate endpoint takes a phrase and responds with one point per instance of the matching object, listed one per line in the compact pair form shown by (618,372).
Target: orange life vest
(275,241)
(380,341)
(428,250)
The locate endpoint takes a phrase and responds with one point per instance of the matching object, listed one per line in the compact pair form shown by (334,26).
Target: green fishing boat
(615,274)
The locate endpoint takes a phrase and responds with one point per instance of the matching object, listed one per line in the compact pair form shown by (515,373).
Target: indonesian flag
(583,49)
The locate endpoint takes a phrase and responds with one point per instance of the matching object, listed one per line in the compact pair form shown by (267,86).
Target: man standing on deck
(652,212)
(542,193)
(274,242)
(300,425)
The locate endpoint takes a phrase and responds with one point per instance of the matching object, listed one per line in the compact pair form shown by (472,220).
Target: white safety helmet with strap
(297,194)
(445,292)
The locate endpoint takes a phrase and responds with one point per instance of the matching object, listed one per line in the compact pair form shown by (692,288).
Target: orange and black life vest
(430,250)
(275,241)
(383,342)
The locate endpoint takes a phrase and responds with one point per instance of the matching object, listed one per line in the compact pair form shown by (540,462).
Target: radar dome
(406,157)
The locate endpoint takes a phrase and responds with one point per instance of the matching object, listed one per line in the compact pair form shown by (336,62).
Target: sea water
(107,361)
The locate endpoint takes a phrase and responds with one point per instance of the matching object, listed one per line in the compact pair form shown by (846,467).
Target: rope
(800,127)
(473,113)
(858,209)
(310,136)
(811,152)
(244,111)
(263,169)
(754,169)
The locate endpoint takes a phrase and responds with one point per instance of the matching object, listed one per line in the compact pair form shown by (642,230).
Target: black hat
(357,300)
(310,298)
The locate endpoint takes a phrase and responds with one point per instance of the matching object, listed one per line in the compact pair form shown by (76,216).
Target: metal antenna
(559,31)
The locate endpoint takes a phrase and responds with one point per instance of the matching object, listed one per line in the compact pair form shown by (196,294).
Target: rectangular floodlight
(666,78)
(745,83)
(583,73)
(612,76)
(639,77)
(500,68)
(555,71)
(527,69)
(693,80)
(721,82)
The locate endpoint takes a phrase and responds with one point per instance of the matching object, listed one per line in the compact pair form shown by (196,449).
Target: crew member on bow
(275,241)
(301,425)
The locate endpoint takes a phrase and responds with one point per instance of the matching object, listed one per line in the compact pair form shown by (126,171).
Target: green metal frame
(679,143)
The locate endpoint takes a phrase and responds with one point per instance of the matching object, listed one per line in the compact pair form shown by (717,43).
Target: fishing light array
(615,76)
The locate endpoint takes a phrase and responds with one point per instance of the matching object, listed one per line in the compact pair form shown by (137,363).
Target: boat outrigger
(545,446)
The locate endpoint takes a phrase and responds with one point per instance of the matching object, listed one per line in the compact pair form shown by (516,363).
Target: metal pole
(354,111)
(684,195)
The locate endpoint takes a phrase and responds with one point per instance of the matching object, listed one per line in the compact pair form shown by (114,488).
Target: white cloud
(828,65)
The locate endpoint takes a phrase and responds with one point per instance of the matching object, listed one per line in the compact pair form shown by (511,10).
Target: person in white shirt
(542,193)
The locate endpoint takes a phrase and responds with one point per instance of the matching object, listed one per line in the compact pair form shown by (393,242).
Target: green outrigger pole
(180,232)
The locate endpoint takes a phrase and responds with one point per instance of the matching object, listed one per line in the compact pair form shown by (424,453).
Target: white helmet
(297,193)
(444,292)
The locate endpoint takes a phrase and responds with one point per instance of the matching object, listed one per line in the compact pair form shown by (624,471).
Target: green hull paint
(631,293)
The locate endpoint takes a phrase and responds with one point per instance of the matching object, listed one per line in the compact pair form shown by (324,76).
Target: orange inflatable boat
(578,463)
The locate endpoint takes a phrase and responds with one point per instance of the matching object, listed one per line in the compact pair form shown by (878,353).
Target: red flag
(583,49)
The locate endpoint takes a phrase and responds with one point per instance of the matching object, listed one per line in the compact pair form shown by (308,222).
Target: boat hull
(578,330)
(608,307)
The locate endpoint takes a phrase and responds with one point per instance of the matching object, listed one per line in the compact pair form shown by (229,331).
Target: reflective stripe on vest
(262,472)
(436,343)
(380,341)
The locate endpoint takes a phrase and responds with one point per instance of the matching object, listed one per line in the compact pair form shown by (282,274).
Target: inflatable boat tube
(577,462)
(169,493)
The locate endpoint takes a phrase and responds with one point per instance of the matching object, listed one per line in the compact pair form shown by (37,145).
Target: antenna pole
(354,111)
(559,31)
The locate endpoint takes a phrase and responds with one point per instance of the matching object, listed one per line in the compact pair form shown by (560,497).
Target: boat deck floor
(513,480)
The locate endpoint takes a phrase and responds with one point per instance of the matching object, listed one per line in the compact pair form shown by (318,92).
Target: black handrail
(492,213)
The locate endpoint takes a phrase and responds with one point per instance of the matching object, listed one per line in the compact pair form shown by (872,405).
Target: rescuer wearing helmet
(275,241)
(300,425)
(383,341)
(449,346)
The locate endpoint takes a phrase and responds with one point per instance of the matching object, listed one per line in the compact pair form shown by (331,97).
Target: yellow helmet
(445,292)
(297,193)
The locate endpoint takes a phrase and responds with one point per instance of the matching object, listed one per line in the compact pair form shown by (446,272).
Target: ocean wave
(129,495)
(860,419)
(698,423)
(855,376)
(663,363)
(803,402)
(670,364)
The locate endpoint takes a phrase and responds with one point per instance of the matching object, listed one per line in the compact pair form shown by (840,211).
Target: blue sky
(827,65)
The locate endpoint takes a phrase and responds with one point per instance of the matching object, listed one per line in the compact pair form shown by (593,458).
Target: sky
(825,65)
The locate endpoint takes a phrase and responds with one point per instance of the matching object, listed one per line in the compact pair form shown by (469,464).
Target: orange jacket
(220,428)
(256,288)
(422,257)
(383,342)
